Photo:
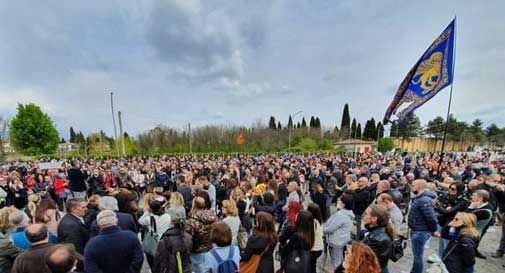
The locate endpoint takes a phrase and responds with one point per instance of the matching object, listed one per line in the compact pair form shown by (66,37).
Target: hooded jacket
(199,226)
(338,227)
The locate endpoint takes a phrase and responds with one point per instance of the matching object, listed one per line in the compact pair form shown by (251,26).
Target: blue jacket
(113,251)
(20,240)
(422,216)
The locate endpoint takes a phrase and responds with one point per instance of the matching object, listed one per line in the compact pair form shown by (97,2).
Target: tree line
(32,132)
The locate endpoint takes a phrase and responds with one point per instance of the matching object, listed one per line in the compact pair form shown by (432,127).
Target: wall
(430,145)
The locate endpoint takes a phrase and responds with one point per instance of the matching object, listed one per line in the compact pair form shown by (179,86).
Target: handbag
(397,247)
(151,239)
(251,265)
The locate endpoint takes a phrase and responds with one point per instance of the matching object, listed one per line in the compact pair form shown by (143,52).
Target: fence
(418,144)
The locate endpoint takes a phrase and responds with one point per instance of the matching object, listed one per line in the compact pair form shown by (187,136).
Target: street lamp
(289,130)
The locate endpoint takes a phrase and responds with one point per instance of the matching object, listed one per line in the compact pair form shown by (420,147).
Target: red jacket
(59,186)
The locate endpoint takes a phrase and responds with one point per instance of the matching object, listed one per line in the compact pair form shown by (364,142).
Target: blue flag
(426,78)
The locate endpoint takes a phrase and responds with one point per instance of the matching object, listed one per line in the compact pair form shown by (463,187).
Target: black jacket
(260,205)
(460,254)
(361,201)
(456,204)
(295,242)
(256,246)
(72,231)
(165,260)
(379,241)
(76,180)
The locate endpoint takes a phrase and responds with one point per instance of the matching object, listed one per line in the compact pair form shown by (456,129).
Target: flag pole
(449,105)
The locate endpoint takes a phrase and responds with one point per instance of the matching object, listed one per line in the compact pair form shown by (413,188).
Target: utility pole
(121,132)
(190,140)
(114,122)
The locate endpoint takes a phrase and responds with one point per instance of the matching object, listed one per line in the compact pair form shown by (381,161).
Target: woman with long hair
(318,247)
(262,242)
(47,213)
(230,211)
(295,255)
(360,258)
(379,234)
(459,255)
(176,208)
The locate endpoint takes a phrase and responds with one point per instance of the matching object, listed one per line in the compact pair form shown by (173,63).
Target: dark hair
(305,227)
(44,205)
(460,187)
(316,212)
(157,207)
(221,234)
(36,233)
(73,203)
(268,197)
(205,195)
(265,227)
(348,201)
(64,260)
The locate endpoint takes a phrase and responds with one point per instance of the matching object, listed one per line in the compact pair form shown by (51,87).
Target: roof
(355,142)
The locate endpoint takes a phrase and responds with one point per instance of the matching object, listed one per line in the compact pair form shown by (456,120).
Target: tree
(394,129)
(353,128)
(298,125)
(380,130)
(312,122)
(345,125)
(79,138)
(271,124)
(435,127)
(317,123)
(290,122)
(358,131)
(32,132)
(385,144)
(72,135)
(476,131)
(410,127)
(370,131)
(304,123)
(279,126)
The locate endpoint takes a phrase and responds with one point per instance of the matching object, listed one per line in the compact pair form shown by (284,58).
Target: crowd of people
(245,213)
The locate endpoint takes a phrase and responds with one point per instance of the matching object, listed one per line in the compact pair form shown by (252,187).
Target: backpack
(226,266)
(173,254)
(397,247)
(151,239)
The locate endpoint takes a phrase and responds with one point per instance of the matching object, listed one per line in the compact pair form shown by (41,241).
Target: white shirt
(163,222)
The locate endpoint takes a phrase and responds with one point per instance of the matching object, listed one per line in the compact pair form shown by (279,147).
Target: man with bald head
(33,259)
(113,250)
(62,259)
(422,221)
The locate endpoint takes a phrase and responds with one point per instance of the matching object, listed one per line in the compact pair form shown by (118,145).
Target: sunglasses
(452,189)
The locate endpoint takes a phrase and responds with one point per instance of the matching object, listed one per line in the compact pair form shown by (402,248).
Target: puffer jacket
(422,216)
(172,250)
(338,227)
(379,241)
(199,226)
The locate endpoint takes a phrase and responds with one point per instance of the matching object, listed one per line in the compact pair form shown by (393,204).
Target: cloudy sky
(235,62)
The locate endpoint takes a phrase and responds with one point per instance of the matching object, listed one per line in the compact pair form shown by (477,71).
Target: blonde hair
(4,218)
(469,221)
(237,194)
(33,203)
(176,199)
(231,207)
(147,199)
